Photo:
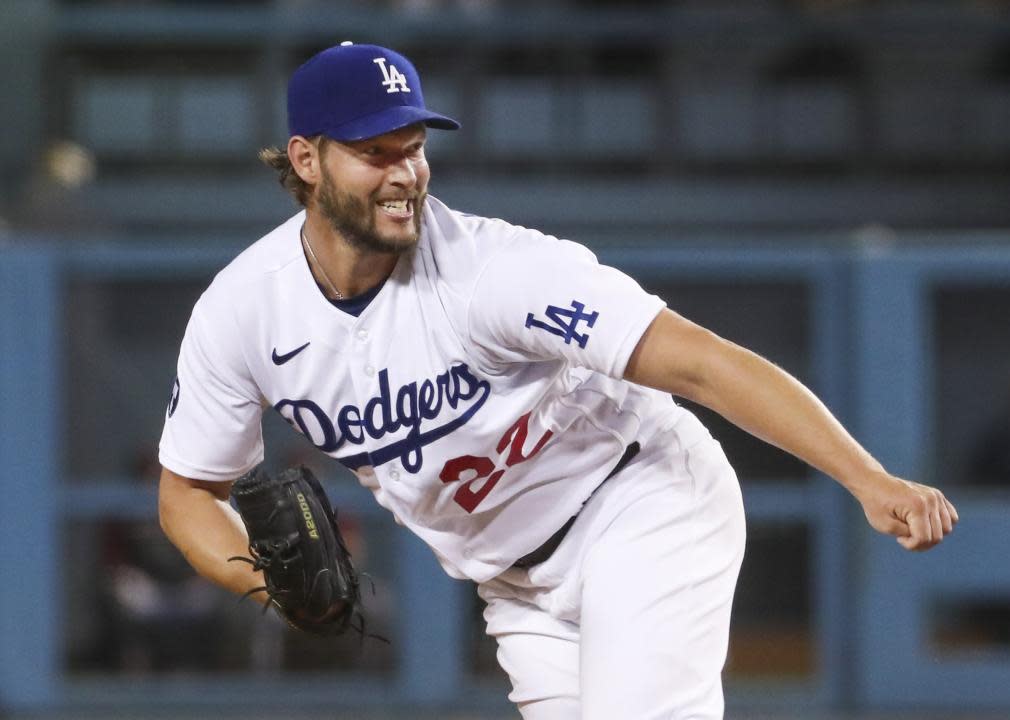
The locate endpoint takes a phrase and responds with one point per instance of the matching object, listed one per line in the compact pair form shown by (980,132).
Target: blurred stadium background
(825,181)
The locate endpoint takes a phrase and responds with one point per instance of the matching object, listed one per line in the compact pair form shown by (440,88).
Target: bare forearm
(207,530)
(682,358)
(753,394)
(769,403)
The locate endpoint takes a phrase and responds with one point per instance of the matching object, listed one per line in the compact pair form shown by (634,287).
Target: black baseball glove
(295,541)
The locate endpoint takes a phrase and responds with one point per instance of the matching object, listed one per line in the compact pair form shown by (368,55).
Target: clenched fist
(917,515)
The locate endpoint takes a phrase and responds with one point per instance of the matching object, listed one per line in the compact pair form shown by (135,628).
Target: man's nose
(403,173)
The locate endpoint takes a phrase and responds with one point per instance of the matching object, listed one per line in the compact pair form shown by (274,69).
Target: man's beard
(355,221)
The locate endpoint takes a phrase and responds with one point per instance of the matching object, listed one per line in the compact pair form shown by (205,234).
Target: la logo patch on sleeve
(564,322)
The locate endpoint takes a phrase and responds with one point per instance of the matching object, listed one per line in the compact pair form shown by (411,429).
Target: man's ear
(305,160)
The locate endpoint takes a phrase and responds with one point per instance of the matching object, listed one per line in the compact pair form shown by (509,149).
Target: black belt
(551,544)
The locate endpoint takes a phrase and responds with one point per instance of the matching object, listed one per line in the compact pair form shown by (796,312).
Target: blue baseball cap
(353,92)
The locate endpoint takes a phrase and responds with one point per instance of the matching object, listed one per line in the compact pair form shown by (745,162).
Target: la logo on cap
(394,80)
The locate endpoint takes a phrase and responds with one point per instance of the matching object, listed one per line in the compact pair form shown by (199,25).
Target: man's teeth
(398,205)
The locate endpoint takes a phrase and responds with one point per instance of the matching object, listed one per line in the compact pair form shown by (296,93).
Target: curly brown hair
(278,159)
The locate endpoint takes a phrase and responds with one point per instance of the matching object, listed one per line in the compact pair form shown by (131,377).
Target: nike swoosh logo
(281,359)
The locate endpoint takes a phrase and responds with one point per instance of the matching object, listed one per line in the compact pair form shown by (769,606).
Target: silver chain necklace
(308,246)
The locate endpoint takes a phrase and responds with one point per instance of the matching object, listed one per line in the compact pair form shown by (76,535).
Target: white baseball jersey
(478,395)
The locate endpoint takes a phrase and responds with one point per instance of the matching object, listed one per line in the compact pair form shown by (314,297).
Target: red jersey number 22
(483,468)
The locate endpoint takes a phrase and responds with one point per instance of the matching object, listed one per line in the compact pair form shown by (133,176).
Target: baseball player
(507,398)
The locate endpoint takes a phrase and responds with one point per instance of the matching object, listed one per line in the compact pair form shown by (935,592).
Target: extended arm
(682,358)
(198,519)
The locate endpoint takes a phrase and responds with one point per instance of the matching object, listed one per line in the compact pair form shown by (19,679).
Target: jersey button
(394,475)
(362,334)
(369,370)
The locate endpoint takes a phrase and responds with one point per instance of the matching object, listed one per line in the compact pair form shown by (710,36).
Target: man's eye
(373,151)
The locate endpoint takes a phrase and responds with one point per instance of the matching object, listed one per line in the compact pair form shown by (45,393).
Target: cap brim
(388,120)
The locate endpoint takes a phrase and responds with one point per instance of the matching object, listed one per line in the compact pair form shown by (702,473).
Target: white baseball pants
(629,618)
